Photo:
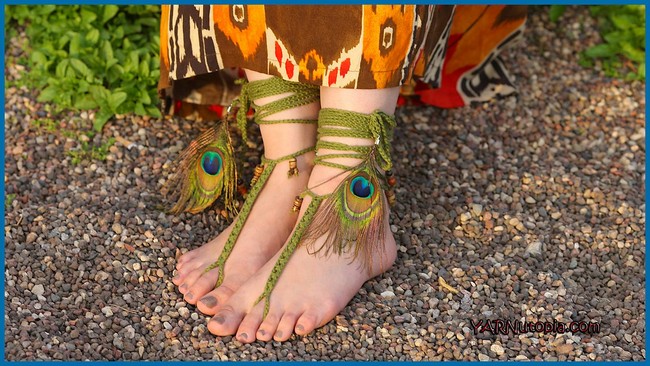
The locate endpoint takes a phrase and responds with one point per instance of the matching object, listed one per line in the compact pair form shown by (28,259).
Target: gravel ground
(533,206)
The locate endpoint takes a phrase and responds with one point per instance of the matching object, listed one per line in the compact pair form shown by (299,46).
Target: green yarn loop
(301,94)
(377,126)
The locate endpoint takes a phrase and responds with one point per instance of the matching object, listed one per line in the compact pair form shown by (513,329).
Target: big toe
(209,303)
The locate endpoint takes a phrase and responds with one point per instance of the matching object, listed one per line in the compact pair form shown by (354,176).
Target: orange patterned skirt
(446,55)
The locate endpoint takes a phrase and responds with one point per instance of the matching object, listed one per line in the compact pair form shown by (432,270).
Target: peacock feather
(352,219)
(205,170)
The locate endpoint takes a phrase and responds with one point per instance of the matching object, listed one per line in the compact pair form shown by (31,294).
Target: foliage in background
(622,28)
(85,57)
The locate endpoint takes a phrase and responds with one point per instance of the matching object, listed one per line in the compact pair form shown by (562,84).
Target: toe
(202,286)
(251,323)
(306,323)
(269,326)
(226,321)
(189,279)
(285,327)
(208,304)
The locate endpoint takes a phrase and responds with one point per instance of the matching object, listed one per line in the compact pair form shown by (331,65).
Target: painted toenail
(261,332)
(219,319)
(243,336)
(300,328)
(209,301)
(189,296)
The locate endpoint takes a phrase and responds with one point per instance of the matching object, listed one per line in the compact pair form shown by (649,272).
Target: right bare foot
(266,229)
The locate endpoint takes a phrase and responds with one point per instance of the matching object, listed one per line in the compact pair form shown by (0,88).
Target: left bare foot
(311,290)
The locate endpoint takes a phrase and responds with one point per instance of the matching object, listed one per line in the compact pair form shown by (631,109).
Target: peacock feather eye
(362,187)
(211,162)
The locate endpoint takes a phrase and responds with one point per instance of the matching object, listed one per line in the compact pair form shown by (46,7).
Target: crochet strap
(301,94)
(269,165)
(288,251)
(377,126)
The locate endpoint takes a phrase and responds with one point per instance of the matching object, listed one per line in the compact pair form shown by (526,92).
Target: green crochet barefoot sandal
(206,169)
(302,94)
(351,220)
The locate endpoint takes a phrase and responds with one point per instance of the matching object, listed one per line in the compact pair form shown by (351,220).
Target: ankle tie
(377,126)
(303,94)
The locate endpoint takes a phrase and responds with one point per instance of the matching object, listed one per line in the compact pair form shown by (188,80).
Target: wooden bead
(392,181)
(257,173)
(293,167)
(296,204)
(390,195)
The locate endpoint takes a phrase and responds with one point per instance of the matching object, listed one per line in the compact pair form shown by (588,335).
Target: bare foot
(311,291)
(266,229)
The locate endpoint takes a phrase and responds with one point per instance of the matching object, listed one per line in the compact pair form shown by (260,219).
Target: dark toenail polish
(189,296)
(300,328)
(219,319)
(278,334)
(243,336)
(261,332)
(209,301)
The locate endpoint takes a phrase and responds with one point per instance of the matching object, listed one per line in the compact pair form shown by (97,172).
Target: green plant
(9,200)
(90,152)
(47,123)
(85,57)
(622,28)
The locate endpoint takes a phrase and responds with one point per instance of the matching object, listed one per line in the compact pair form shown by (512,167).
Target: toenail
(189,296)
(261,332)
(300,328)
(175,278)
(209,301)
(243,336)
(219,319)
(183,287)
(278,334)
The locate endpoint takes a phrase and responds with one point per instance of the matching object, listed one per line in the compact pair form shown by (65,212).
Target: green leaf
(144,68)
(62,68)
(92,36)
(80,66)
(107,50)
(622,21)
(109,12)
(116,99)
(87,16)
(641,70)
(632,53)
(38,58)
(139,109)
(556,12)
(600,51)
(48,94)
(85,102)
(154,112)
(101,117)
(144,97)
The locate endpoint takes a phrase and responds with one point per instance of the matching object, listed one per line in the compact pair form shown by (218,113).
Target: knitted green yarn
(377,126)
(288,251)
(301,94)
